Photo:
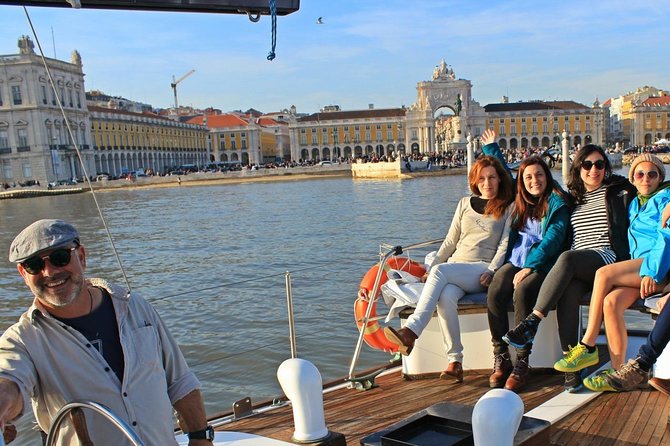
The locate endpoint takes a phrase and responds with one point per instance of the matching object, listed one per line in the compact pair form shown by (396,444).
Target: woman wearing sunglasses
(599,222)
(619,285)
(473,249)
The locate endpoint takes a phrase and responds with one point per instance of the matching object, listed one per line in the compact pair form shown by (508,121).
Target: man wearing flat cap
(89,340)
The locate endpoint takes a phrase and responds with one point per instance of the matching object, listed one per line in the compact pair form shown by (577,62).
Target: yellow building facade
(332,133)
(126,141)
(540,124)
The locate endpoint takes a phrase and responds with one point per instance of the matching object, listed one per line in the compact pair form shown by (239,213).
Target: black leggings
(570,278)
(500,293)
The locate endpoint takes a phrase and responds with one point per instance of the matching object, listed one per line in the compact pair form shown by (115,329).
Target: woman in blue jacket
(617,286)
(538,235)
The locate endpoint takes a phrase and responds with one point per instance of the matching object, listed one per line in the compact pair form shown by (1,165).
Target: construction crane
(174,86)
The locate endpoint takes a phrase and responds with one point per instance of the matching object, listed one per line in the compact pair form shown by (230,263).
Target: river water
(212,260)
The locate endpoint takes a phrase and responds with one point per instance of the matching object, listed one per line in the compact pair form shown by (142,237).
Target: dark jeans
(657,340)
(570,278)
(500,293)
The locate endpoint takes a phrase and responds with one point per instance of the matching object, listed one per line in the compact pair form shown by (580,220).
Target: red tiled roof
(216,121)
(607,103)
(657,102)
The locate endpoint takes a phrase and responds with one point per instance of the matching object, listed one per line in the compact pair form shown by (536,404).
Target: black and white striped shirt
(590,225)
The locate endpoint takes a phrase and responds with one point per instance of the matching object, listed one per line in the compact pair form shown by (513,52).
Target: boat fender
(496,418)
(301,382)
(374,335)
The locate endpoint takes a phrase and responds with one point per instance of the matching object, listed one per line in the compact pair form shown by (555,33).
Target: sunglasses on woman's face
(652,174)
(58,258)
(587,165)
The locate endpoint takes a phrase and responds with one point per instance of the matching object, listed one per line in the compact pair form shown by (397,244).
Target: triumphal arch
(426,132)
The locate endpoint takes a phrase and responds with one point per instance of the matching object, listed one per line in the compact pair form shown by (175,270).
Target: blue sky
(367,51)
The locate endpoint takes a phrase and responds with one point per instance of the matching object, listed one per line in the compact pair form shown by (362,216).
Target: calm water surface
(212,260)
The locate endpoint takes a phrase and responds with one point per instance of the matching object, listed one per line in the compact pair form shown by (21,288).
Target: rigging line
(233,355)
(273,12)
(241,282)
(76,147)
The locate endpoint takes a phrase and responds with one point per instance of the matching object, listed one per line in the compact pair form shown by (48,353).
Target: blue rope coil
(273,12)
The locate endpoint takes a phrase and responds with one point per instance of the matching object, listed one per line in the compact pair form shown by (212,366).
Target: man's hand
(488,137)
(11,402)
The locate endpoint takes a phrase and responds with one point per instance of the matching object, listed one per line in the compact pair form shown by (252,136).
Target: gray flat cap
(41,236)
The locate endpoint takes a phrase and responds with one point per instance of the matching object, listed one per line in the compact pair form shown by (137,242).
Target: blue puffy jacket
(646,238)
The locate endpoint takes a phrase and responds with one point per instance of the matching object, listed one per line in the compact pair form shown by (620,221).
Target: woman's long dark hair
(575,183)
(526,205)
(495,206)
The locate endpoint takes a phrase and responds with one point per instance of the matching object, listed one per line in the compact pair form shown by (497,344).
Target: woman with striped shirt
(599,223)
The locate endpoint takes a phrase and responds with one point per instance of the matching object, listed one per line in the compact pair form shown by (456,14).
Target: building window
(7,170)
(578,127)
(27,170)
(545,128)
(223,144)
(303,130)
(513,129)
(588,127)
(69,92)
(44,94)
(4,139)
(53,97)
(78,100)
(303,140)
(324,130)
(367,136)
(0,96)
(22,137)
(389,134)
(232,145)
(16,95)
(524,129)
(534,128)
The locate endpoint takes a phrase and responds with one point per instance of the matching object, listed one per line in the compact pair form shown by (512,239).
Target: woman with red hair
(472,251)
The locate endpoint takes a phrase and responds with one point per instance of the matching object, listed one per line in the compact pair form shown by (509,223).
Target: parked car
(326,163)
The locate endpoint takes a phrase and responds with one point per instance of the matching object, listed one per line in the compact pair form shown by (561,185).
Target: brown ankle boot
(454,372)
(502,367)
(404,338)
(519,375)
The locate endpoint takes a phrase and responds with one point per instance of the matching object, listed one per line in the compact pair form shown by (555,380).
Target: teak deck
(633,418)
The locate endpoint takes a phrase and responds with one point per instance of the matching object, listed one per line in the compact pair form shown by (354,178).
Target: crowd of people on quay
(541,248)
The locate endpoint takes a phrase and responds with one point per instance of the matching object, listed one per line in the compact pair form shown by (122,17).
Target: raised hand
(488,136)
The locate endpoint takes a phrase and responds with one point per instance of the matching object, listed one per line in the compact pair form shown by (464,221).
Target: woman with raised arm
(472,251)
(599,222)
(538,236)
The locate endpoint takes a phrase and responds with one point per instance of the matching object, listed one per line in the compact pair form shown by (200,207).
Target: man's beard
(44,294)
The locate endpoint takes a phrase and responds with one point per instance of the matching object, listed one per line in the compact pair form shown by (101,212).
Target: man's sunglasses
(587,165)
(58,258)
(652,174)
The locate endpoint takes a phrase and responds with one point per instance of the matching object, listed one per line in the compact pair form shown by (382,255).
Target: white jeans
(446,284)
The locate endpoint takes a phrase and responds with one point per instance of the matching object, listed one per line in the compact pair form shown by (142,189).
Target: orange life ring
(374,335)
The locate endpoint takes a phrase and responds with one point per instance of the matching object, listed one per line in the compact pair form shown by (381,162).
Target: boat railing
(74,408)
(386,252)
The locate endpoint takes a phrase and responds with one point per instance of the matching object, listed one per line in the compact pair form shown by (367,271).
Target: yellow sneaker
(576,359)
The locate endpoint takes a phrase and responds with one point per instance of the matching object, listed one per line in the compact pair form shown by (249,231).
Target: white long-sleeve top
(473,237)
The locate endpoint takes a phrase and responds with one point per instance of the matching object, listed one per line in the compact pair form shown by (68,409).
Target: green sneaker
(576,359)
(598,382)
